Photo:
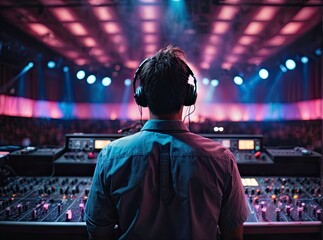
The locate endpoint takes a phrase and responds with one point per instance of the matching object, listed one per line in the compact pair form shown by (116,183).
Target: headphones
(140,97)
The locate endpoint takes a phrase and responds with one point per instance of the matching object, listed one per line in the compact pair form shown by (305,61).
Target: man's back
(167,183)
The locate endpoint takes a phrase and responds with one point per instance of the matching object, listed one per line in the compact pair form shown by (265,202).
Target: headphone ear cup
(140,97)
(191,95)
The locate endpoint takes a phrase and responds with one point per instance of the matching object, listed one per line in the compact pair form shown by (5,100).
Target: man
(165,182)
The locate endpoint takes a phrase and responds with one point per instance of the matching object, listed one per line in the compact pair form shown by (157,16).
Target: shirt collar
(154,125)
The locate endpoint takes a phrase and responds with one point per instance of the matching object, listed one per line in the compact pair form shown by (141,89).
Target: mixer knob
(34,214)
(288,210)
(267,190)
(246,191)
(258,191)
(300,212)
(252,191)
(59,208)
(277,211)
(87,191)
(19,208)
(8,212)
(262,204)
(304,206)
(45,207)
(69,215)
(318,191)
(319,214)
(61,191)
(77,189)
(263,213)
(276,191)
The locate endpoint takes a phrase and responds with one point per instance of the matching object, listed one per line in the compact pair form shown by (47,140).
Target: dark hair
(164,80)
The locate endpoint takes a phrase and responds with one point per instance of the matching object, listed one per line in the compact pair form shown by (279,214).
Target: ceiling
(119,34)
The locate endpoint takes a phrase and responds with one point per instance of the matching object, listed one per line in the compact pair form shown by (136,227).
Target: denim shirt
(164,182)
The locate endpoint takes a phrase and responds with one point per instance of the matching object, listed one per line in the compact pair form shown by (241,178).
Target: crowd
(20,131)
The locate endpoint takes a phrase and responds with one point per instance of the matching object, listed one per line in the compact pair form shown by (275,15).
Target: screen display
(226,143)
(99,144)
(246,145)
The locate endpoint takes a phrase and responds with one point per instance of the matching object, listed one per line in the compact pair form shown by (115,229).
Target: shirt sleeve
(100,212)
(234,209)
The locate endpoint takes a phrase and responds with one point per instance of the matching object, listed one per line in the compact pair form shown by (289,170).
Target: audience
(51,132)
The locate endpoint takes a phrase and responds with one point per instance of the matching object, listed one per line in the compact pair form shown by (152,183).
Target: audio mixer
(58,202)
(282,191)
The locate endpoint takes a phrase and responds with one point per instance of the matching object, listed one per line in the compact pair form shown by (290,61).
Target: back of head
(164,81)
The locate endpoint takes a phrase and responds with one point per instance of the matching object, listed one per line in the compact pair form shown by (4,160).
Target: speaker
(140,97)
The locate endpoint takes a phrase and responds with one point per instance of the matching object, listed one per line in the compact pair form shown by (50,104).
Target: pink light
(111,27)
(226,65)
(149,12)
(150,38)
(63,14)
(117,39)
(255,60)
(77,29)
(81,61)
(150,48)
(71,54)
(264,52)
(208,58)
(205,65)
(39,28)
(232,59)
(291,28)
(131,64)
(210,50)
(103,59)
(266,14)
(104,13)
(89,42)
(96,51)
(214,39)
(238,49)
(276,41)
(305,14)
(227,13)
(246,40)
(254,28)
(220,27)
(149,27)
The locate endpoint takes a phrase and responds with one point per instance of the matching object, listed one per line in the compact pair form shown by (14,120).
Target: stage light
(214,82)
(127,82)
(51,64)
(304,59)
(283,68)
(238,80)
(66,69)
(80,74)
(318,51)
(263,73)
(205,81)
(290,64)
(30,65)
(106,81)
(91,79)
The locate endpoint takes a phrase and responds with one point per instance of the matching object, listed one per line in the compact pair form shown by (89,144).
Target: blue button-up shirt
(164,182)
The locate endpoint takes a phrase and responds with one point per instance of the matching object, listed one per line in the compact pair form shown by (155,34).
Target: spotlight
(214,82)
(80,74)
(238,80)
(263,73)
(91,79)
(30,65)
(290,64)
(51,64)
(66,69)
(283,68)
(106,81)
(318,51)
(127,82)
(304,59)
(205,81)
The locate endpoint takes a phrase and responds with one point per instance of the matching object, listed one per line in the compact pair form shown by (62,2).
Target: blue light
(30,65)
(106,81)
(214,82)
(238,80)
(66,69)
(205,81)
(263,73)
(80,74)
(318,52)
(283,68)
(127,82)
(91,79)
(51,64)
(290,64)
(304,59)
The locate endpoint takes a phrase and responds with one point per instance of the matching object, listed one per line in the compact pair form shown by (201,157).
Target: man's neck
(172,116)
